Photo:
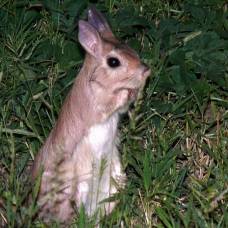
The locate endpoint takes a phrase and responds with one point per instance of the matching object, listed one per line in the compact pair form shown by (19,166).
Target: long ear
(89,38)
(97,20)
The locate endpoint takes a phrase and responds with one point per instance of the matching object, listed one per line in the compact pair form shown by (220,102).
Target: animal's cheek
(117,73)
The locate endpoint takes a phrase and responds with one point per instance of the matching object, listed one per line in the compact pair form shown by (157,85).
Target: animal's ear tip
(93,12)
(91,8)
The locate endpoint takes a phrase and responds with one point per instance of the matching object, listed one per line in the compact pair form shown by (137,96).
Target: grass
(174,145)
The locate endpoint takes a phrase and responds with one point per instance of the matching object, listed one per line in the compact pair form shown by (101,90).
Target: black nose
(146,70)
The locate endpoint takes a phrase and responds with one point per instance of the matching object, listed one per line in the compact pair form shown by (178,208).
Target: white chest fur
(97,148)
(102,137)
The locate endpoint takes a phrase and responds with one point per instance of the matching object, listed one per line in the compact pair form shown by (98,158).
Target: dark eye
(113,62)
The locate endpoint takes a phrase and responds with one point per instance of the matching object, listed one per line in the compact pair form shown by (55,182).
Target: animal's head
(117,69)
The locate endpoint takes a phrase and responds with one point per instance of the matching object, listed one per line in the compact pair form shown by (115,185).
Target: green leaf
(163,216)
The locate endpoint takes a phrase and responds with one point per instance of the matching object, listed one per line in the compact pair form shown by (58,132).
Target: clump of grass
(174,145)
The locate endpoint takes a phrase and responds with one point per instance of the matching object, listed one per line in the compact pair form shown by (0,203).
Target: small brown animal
(79,160)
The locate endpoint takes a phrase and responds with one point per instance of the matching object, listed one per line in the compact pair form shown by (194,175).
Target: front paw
(122,98)
(117,103)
